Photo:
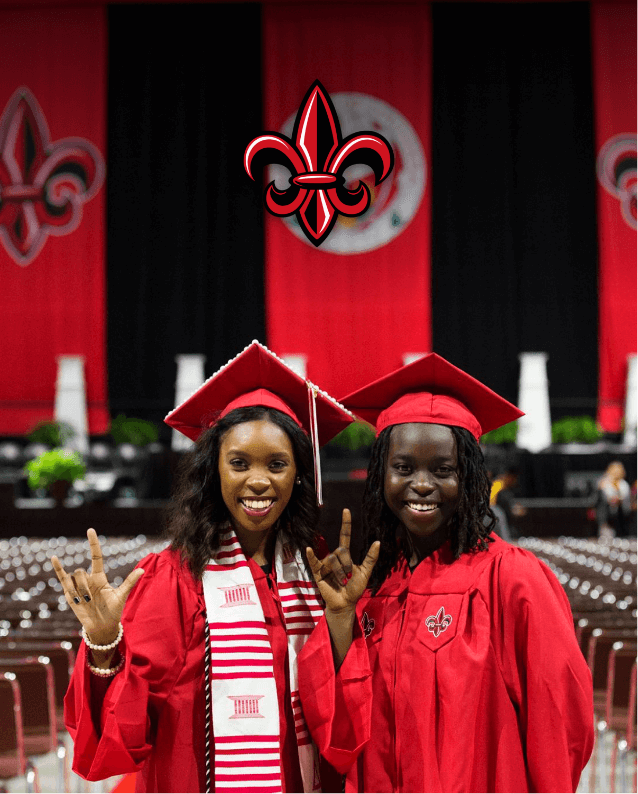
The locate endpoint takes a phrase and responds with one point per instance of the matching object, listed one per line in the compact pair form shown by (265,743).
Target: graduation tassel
(314,435)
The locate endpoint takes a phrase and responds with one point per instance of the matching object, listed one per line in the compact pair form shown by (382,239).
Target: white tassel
(314,435)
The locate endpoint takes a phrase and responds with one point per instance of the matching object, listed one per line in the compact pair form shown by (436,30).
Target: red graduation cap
(431,390)
(258,377)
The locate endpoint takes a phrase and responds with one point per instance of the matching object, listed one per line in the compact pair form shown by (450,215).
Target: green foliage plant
(52,434)
(356,436)
(502,435)
(55,464)
(127,430)
(576,429)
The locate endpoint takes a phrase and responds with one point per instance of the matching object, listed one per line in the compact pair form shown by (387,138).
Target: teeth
(421,507)
(257,504)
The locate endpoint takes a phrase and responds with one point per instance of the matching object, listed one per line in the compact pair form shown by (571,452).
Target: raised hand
(340,582)
(96,604)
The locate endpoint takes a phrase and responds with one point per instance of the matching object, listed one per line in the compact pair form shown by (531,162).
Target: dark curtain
(184,230)
(513,176)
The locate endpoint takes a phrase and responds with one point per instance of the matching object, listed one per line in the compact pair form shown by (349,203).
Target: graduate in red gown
(188,670)
(457,667)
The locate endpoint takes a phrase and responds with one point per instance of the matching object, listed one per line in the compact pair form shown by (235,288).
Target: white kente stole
(245,709)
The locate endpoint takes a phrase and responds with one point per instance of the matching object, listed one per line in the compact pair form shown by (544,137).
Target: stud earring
(298,481)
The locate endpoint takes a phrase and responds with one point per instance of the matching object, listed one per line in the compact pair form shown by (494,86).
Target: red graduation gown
(150,717)
(469,679)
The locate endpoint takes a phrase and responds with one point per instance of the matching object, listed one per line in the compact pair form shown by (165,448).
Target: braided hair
(198,515)
(469,527)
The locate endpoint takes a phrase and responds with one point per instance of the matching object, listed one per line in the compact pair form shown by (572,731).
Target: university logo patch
(438,623)
(367,624)
(43,185)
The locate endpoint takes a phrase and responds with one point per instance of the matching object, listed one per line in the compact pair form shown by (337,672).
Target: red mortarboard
(258,377)
(431,390)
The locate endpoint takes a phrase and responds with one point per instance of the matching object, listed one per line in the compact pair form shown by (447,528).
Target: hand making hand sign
(96,604)
(341,584)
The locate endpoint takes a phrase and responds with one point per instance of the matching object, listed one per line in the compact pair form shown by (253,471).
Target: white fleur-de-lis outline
(438,623)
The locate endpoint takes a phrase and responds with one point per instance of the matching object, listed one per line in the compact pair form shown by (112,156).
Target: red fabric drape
(614,62)
(354,314)
(53,141)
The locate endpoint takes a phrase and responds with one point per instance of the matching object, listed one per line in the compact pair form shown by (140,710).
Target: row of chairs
(30,592)
(40,637)
(34,677)
(599,578)
(38,650)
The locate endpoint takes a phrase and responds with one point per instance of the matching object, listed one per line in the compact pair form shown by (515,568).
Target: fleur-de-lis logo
(43,185)
(367,624)
(438,623)
(317,158)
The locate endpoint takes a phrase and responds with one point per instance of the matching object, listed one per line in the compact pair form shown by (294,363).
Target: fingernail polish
(76,599)
(87,598)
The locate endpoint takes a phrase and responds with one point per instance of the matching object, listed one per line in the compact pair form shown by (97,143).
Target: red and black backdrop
(508,224)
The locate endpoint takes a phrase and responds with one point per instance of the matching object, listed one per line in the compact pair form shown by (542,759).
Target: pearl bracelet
(105,673)
(109,647)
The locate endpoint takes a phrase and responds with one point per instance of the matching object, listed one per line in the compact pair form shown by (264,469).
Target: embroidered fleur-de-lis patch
(438,623)
(367,624)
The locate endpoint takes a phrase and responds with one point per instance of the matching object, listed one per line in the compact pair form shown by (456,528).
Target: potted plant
(56,470)
(502,435)
(355,440)
(52,434)
(576,430)
(127,430)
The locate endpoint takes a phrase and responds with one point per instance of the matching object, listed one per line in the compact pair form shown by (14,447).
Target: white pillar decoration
(70,400)
(298,362)
(190,376)
(408,358)
(535,428)
(629,436)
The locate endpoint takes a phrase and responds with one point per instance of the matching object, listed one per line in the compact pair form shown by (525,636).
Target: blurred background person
(613,502)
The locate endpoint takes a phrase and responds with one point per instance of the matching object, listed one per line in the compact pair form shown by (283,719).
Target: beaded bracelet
(109,647)
(105,673)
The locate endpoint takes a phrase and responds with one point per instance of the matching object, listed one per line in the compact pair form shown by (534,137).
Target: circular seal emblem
(394,202)
(616,167)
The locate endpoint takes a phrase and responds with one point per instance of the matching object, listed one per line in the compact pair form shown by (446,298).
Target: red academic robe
(150,717)
(463,676)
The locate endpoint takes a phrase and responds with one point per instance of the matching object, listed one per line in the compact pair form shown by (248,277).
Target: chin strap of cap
(314,435)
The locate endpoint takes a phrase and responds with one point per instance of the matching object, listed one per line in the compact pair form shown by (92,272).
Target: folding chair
(622,666)
(40,728)
(600,645)
(631,720)
(13,761)
(62,659)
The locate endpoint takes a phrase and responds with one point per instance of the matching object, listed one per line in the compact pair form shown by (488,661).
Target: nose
(258,482)
(422,483)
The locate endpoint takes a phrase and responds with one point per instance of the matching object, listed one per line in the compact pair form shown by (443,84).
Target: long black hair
(470,525)
(198,516)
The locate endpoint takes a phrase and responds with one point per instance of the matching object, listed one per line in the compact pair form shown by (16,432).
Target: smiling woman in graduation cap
(188,671)
(458,667)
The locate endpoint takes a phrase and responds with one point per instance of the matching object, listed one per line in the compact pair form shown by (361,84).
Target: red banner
(614,61)
(52,207)
(355,305)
